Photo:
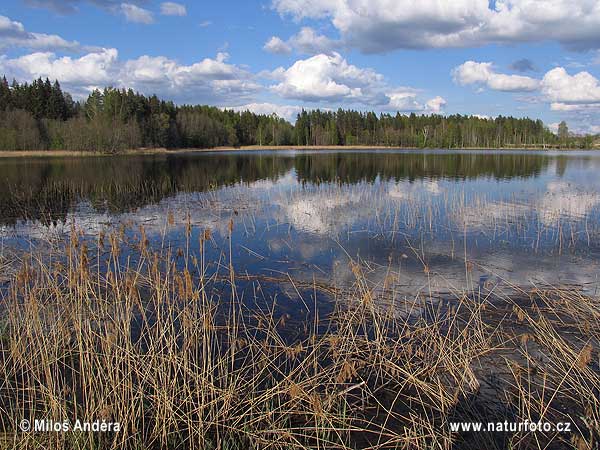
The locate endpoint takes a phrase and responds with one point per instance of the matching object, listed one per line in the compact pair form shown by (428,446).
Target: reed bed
(185,358)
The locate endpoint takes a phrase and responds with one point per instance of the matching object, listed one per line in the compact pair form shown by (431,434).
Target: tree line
(41,116)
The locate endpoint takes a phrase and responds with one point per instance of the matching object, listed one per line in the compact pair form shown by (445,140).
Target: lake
(301,299)
(420,221)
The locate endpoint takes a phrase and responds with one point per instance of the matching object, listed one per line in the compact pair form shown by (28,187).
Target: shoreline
(165,151)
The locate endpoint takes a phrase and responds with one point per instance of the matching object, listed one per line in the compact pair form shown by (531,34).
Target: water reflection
(419,221)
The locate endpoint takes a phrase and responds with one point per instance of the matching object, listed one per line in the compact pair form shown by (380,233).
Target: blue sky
(537,58)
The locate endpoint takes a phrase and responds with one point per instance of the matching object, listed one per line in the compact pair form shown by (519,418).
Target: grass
(187,359)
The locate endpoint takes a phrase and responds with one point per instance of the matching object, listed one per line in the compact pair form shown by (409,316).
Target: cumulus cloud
(320,78)
(83,74)
(173,9)
(14,34)
(403,100)
(136,14)
(327,77)
(383,25)
(406,100)
(209,80)
(277,46)
(436,104)
(574,96)
(306,41)
(560,87)
(483,74)
(159,69)
(330,78)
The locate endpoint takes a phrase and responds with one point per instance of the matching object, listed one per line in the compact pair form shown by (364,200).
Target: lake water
(417,221)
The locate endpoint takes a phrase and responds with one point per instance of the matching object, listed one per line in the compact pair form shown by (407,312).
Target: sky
(526,58)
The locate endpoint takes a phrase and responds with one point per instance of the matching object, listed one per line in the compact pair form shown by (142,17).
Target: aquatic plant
(182,357)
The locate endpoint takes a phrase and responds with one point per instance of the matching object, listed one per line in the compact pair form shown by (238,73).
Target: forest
(41,116)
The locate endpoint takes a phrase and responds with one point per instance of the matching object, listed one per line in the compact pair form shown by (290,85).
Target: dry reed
(181,359)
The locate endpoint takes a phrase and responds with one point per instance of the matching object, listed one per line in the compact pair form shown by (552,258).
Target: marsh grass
(186,358)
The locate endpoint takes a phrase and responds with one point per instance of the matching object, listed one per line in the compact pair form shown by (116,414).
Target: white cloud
(557,106)
(71,6)
(567,107)
(85,73)
(383,25)
(436,104)
(327,77)
(14,34)
(305,8)
(136,14)
(577,96)
(309,42)
(148,69)
(277,46)
(173,9)
(483,74)
(208,81)
(404,100)
(306,41)
(560,87)
(330,78)
(576,127)
(287,112)
(130,8)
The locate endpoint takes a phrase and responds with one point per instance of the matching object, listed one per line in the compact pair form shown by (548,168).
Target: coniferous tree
(41,115)
(5,94)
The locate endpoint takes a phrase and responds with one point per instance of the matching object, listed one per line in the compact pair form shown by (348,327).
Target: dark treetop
(41,116)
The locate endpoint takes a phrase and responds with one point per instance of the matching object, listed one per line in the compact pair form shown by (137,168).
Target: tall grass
(183,358)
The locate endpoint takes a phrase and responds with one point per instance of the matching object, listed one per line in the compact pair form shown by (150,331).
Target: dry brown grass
(158,348)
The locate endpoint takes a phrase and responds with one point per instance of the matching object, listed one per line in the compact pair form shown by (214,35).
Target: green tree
(563,132)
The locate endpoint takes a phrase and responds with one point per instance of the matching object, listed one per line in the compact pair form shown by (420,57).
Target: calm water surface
(417,221)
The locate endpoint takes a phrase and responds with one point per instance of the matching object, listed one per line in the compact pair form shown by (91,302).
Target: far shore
(161,151)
